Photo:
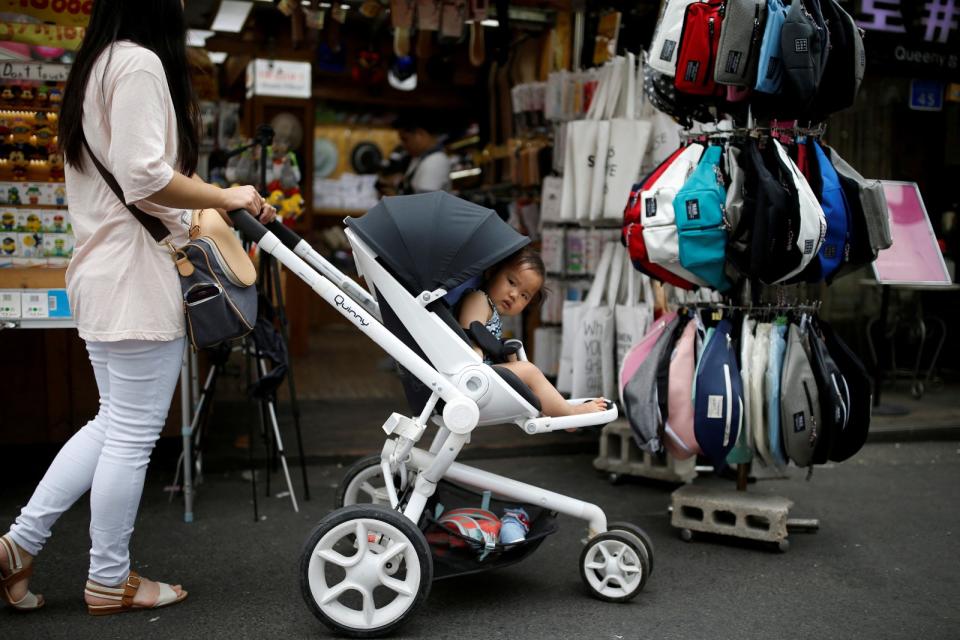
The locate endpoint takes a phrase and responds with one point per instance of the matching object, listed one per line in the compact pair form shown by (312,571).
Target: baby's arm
(474,309)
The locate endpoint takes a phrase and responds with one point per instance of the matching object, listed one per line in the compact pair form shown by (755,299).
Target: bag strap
(153,225)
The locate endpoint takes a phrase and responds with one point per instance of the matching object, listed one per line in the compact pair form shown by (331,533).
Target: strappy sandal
(123,596)
(18,573)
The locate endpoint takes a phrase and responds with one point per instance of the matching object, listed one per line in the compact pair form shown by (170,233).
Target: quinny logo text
(340,300)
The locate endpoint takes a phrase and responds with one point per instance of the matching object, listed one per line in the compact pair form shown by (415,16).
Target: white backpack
(666,37)
(813,223)
(657,216)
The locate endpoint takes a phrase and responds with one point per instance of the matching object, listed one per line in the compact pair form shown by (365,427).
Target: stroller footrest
(547,424)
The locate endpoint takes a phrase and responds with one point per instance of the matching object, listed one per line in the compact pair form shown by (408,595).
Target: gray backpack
(640,399)
(739,50)
(872,200)
(799,400)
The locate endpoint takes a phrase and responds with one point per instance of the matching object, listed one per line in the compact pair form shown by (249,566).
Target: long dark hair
(158,25)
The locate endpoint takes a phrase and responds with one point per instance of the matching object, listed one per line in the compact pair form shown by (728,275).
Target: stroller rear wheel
(641,535)
(363,484)
(614,566)
(364,570)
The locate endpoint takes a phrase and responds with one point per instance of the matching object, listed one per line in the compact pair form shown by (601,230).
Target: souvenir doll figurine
(56,172)
(33,194)
(19,164)
(59,194)
(13,196)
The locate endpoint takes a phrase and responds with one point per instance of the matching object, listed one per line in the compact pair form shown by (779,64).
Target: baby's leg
(553,404)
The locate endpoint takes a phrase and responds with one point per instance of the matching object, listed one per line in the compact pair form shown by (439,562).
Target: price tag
(75,13)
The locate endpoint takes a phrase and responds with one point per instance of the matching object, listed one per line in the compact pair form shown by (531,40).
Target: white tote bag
(634,316)
(546,350)
(594,374)
(571,322)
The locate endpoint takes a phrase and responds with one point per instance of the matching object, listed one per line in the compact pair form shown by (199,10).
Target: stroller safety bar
(460,413)
(303,249)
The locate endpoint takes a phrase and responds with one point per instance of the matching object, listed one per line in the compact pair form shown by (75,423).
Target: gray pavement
(883,565)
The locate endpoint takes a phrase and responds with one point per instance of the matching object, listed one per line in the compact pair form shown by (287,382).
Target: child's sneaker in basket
(514,526)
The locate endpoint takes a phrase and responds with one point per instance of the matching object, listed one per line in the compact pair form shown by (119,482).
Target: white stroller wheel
(364,570)
(614,566)
(363,483)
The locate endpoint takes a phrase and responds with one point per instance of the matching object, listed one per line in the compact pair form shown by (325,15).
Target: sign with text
(41,71)
(279,78)
(914,257)
(926,95)
(47,35)
(68,12)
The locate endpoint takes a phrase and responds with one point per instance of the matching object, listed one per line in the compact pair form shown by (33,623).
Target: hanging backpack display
(770,64)
(666,37)
(799,401)
(633,229)
(659,224)
(834,396)
(739,49)
(846,63)
(836,212)
(813,225)
(701,223)
(718,403)
(639,394)
(804,43)
(699,42)
(850,440)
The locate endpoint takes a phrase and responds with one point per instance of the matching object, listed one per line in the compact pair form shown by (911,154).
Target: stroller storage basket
(462,555)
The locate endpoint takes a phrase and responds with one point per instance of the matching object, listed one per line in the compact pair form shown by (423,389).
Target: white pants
(109,456)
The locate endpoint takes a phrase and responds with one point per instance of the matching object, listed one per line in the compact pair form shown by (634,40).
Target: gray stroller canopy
(436,240)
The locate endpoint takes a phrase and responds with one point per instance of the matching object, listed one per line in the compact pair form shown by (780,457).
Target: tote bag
(634,316)
(593,346)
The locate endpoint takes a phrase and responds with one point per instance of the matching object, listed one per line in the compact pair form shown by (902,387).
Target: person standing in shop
(429,168)
(129,97)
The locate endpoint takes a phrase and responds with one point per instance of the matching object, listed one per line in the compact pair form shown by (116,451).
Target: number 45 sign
(926,95)
(74,13)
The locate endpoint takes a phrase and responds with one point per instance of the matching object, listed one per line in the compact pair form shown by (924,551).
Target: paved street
(883,565)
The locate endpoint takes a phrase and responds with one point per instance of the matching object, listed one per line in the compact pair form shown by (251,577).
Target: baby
(507,290)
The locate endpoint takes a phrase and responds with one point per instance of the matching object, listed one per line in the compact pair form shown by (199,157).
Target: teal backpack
(701,225)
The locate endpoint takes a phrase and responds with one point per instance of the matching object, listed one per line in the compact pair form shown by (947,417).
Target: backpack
(770,64)
(701,223)
(699,41)
(761,245)
(834,396)
(633,229)
(799,401)
(666,37)
(734,203)
(718,399)
(813,225)
(660,236)
(639,394)
(739,49)
(860,405)
(804,43)
(663,95)
(675,385)
(873,203)
(845,65)
(836,212)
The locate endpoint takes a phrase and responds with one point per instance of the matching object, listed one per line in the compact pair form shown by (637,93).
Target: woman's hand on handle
(244,197)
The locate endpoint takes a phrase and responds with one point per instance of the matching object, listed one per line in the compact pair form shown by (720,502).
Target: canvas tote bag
(635,315)
(593,346)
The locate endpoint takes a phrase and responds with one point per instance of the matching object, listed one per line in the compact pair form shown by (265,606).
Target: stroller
(366,567)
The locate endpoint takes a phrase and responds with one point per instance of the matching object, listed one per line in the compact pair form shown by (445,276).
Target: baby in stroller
(507,290)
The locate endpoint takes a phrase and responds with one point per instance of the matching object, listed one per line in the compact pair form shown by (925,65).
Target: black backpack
(804,48)
(834,394)
(852,437)
(771,215)
(845,66)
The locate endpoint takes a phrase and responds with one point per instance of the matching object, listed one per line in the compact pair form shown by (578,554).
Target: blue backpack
(718,399)
(770,69)
(699,214)
(833,251)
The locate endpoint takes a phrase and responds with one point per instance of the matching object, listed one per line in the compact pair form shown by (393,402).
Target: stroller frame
(457,380)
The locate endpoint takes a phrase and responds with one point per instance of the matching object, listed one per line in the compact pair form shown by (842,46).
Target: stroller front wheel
(363,483)
(614,566)
(364,570)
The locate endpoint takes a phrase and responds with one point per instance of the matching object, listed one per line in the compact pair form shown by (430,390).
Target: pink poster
(915,256)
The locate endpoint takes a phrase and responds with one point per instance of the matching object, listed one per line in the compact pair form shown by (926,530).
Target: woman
(129,97)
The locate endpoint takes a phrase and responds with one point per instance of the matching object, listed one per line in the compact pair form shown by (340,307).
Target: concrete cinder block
(620,455)
(730,513)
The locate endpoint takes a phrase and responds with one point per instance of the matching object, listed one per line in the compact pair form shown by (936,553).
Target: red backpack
(699,42)
(633,230)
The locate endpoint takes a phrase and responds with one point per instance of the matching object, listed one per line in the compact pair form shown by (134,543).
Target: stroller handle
(249,226)
(286,235)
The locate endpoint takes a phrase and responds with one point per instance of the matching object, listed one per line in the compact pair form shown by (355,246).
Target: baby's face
(512,289)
